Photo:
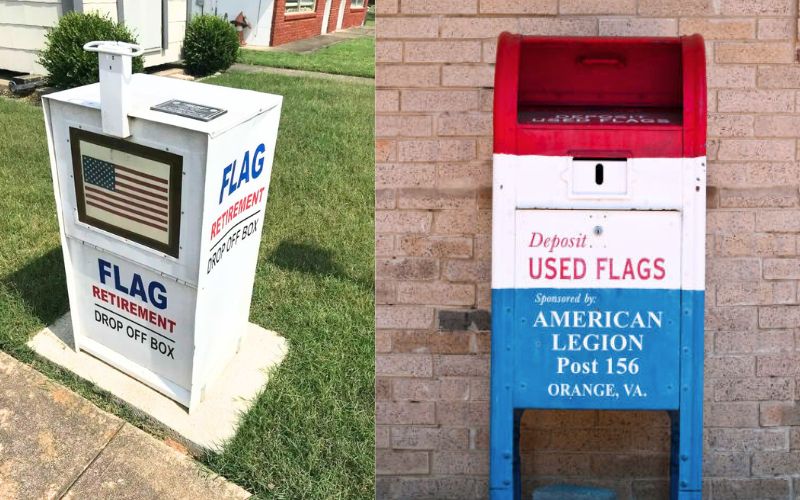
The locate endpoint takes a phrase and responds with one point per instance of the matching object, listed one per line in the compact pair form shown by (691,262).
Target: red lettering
(95,291)
(580,268)
(538,273)
(564,270)
(550,264)
(611,275)
(601,261)
(644,273)
(628,271)
(658,265)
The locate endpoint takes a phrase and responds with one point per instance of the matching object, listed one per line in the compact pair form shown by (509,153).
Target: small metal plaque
(189,110)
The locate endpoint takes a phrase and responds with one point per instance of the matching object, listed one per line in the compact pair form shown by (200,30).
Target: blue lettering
(252,166)
(104,272)
(158,299)
(137,287)
(258,160)
(232,186)
(225,180)
(117,283)
(154,293)
(244,175)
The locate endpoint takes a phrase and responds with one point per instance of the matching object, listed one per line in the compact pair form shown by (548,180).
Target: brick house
(433,210)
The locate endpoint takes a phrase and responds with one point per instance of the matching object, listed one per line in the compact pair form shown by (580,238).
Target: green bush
(67,64)
(211,44)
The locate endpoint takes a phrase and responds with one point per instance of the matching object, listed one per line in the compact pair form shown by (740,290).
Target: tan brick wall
(433,177)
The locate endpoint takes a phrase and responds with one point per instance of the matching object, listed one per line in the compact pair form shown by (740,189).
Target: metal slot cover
(599,176)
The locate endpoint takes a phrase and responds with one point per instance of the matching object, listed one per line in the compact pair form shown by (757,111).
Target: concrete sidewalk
(254,68)
(56,444)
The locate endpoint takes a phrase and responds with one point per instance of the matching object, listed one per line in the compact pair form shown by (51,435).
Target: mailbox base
(213,421)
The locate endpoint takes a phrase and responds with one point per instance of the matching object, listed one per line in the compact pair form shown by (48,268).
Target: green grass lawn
(310,433)
(354,57)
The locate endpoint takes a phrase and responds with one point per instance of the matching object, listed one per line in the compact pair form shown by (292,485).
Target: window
(356,4)
(294,6)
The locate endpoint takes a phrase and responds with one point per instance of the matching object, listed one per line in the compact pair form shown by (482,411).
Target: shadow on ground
(41,285)
(310,259)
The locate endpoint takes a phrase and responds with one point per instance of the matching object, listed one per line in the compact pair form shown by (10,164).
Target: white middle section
(597,249)
(652,186)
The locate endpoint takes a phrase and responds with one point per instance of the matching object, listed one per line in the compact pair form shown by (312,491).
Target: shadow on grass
(310,259)
(41,284)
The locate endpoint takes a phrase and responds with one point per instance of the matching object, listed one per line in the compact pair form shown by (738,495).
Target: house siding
(23,25)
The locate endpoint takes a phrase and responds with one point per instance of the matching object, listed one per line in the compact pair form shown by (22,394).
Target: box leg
(690,415)
(503,425)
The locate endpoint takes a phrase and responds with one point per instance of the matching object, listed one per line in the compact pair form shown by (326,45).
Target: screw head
(597,230)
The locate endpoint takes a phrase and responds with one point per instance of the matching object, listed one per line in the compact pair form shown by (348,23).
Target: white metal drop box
(161,228)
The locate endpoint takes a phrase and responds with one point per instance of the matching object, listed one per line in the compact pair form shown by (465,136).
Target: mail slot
(161,187)
(598,239)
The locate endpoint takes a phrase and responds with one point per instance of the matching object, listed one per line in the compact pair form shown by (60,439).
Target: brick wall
(290,27)
(433,210)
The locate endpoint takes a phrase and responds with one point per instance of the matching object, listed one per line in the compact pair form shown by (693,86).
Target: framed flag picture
(128,189)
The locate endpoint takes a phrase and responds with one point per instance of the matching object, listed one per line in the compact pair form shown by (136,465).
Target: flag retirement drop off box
(161,187)
(598,238)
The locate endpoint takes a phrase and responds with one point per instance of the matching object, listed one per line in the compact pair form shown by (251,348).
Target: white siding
(23,24)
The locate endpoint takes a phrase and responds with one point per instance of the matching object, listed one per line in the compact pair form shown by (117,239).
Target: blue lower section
(554,353)
(595,348)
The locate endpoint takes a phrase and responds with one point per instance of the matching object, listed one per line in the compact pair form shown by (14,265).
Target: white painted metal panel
(113,314)
(192,147)
(543,182)
(597,249)
(229,245)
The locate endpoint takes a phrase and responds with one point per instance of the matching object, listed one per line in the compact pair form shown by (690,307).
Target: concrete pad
(48,434)
(135,466)
(216,418)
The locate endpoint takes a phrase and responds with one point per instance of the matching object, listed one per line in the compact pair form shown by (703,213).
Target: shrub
(211,44)
(67,64)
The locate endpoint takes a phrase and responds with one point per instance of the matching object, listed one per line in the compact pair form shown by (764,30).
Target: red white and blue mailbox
(161,187)
(598,237)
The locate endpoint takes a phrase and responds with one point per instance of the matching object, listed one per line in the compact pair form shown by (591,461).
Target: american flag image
(126,191)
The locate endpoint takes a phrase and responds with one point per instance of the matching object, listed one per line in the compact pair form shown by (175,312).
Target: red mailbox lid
(606,97)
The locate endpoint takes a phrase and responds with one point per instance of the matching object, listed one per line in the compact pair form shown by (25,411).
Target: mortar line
(91,462)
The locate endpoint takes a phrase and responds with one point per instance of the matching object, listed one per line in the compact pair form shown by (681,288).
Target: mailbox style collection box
(598,237)
(160,219)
